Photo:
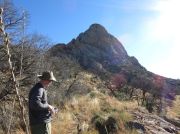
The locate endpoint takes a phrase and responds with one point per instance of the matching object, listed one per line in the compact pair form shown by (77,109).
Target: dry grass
(121,105)
(174,111)
(78,113)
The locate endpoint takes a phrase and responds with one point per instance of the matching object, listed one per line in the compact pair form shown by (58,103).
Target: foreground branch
(6,43)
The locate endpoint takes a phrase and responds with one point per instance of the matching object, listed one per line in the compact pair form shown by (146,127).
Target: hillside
(100,88)
(101,53)
(95,68)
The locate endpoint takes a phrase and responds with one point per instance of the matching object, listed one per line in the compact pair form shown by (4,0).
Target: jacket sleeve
(36,100)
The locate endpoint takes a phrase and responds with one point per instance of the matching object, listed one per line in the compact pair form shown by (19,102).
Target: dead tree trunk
(6,43)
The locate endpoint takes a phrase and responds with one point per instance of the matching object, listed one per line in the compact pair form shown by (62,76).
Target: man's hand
(53,110)
(56,110)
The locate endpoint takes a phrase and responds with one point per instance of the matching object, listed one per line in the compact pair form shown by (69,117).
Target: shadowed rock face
(100,47)
(95,48)
(98,51)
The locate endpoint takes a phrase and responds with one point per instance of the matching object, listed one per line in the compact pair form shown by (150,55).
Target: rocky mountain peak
(96,34)
(100,52)
(95,47)
(97,28)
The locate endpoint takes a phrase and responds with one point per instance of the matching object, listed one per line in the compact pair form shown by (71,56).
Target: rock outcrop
(146,123)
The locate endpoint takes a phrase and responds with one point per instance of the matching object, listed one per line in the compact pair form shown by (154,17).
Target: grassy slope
(79,112)
(174,111)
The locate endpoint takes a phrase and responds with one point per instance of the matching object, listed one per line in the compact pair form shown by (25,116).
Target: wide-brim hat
(47,75)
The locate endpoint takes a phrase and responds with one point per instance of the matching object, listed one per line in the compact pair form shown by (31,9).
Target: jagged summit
(96,34)
(95,48)
(97,28)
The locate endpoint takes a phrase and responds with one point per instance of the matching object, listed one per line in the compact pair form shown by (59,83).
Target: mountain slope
(101,53)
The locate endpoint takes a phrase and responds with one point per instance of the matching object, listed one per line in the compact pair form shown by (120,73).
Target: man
(40,112)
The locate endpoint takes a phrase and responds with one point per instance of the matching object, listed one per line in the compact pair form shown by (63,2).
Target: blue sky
(148,29)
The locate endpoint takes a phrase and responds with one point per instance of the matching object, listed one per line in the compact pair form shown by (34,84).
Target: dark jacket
(38,105)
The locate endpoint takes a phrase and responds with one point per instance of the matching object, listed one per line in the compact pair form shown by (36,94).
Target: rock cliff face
(95,49)
(98,51)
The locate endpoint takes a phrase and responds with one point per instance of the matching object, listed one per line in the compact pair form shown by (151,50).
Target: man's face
(47,83)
